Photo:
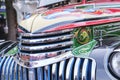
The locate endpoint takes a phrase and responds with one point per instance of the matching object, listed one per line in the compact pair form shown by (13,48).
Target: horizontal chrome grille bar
(40,56)
(46,34)
(50,43)
(35,57)
(46,47)
(46,40)
(46,52)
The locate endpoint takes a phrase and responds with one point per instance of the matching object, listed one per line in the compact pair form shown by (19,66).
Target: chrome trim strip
(40,56)
(8,68)
(20,73)
(4,69)
(31,74)
(44,62)
(77,69)
(54,70)
(69,69)
(40,73)
(46,47)
(45,34)
(25,74)
(8,47)
(32,57)
(40,53)
(84,69)
(4,45)
(16,69)
(62,70)
(46,75)
(12,68)
(117,50)
(49,72)
(93,70)
(46,40)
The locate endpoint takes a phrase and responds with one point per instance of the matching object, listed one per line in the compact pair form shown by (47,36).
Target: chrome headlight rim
(110,67)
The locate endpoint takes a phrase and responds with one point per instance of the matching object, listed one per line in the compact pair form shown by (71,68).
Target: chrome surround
(109,68)
(44,62)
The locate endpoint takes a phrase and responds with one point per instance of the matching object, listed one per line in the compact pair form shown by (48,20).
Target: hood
(50,19)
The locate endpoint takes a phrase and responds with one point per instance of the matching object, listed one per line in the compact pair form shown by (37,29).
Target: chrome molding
(44,62)
(45,33)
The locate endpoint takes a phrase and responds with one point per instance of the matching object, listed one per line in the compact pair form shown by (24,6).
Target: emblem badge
(83,35)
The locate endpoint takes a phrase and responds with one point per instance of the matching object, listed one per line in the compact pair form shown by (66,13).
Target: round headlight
(114,64)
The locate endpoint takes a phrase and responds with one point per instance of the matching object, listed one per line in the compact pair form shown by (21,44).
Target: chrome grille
(47,44)
(69,69)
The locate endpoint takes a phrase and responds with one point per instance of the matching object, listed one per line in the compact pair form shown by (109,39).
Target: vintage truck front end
(70,42)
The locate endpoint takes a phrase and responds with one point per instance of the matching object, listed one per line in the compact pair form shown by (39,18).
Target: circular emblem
(83,35)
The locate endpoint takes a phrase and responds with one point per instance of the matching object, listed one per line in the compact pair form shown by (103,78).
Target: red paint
(114,10)
(53,11)
(84,24)
(19,30)
(99,1)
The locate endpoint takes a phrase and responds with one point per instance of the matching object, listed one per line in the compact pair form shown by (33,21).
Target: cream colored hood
(38,22)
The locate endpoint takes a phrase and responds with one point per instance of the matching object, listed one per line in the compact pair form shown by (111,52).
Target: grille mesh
(70,69)
(50,44)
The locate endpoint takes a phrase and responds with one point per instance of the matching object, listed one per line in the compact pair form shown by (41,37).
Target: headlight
(114,64)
